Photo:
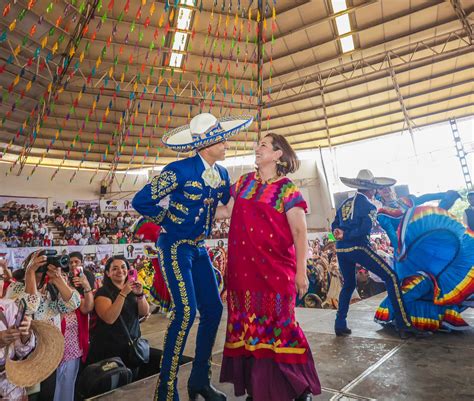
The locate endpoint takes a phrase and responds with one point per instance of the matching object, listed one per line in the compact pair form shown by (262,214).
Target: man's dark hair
(77,255)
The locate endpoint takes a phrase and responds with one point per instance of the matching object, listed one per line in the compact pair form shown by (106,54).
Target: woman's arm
(143,307)
(110,311)
(297,222)
(87,303)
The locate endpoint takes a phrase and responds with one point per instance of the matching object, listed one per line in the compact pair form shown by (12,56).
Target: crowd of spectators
(88,303)
(325,279)
(220,229)
(29,226)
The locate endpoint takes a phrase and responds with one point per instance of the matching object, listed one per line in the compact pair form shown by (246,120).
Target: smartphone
(132,275)
(79,271)
(21,313)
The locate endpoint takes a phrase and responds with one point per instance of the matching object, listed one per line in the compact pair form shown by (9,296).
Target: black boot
(208,392)
(306,396)
(342,332)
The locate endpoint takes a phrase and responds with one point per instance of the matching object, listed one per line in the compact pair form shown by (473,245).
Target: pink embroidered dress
(266,353)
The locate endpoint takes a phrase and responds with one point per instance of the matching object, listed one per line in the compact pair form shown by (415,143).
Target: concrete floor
(373,363)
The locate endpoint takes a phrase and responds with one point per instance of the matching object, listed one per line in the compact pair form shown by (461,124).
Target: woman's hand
(3,266)
(25,329)
(9,336)
(137,288)
(54,274)
(127,288)
(36,262)
(302,284)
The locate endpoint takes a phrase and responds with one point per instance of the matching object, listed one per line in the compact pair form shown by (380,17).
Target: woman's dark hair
(19,275)
(289,162)
(77,255)
(107,281)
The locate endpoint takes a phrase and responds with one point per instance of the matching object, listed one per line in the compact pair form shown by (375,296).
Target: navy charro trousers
(190,278)
(363,255)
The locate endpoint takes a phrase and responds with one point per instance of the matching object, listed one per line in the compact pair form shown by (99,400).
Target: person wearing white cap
(194,187)
(351,228)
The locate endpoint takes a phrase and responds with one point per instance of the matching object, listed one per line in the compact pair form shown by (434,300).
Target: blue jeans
(190,278)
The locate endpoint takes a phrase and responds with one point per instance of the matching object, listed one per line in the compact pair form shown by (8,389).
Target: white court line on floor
(346,389)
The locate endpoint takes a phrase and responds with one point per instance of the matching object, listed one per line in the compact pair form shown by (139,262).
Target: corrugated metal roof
(422,46)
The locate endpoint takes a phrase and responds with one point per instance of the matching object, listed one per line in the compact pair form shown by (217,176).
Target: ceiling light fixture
(343,25)
(180,39)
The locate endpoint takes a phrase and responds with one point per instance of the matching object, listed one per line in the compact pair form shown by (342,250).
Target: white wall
(309,177)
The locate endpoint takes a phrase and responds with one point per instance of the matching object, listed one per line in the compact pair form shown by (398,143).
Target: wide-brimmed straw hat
(366,180)
(43,361)
(204,130)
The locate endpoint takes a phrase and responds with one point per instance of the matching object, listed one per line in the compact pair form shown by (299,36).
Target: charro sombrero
(43,361)
(366,180)
(204,130)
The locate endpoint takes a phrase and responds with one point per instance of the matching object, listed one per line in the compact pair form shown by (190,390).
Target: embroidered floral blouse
(42,306)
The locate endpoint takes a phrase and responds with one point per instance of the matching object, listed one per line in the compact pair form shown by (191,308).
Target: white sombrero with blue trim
(366,180)
(204,130)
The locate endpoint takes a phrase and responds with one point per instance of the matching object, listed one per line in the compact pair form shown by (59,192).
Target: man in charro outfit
(192,187)
(351,228)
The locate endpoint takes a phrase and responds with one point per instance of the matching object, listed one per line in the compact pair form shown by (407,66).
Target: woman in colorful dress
(266,354)
(433,255)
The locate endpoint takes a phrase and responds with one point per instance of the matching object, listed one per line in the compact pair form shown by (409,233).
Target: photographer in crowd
(47,295)
(19,341)
(75,328)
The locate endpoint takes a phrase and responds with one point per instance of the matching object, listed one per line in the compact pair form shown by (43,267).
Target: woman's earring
(280,163)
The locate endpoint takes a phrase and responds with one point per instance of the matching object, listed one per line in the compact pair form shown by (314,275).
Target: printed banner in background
(95,203)
(116,205)
(29,203)
(104,251)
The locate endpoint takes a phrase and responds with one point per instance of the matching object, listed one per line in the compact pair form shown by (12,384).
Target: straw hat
(43,361)
(366,180)
(204,130)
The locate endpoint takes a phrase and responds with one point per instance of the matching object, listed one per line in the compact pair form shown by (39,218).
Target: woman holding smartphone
(75,328)
(119,304)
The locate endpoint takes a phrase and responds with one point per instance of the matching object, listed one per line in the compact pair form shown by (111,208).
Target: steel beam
(57,82)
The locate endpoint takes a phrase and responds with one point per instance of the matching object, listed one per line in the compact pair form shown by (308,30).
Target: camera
(61,261)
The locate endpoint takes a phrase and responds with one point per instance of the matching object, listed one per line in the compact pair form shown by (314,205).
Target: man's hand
(338,234)
(81,281)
